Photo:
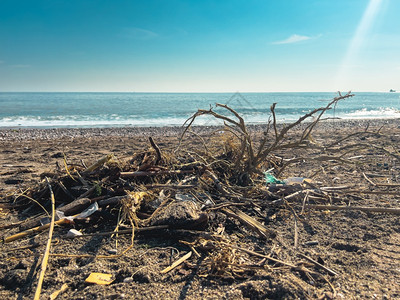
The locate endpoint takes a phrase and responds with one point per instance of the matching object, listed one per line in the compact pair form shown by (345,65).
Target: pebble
(112,251)
(128,280)
(311,243)
(340,296)
(20,134)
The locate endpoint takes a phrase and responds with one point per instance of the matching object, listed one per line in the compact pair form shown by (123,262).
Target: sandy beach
(231,150)
(362,247)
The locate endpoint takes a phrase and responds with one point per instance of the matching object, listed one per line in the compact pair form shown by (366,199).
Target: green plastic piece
(269,178)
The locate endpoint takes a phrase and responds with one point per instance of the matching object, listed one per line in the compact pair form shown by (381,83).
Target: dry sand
(363,248)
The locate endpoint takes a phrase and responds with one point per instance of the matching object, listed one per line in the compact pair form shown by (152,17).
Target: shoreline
(21,134)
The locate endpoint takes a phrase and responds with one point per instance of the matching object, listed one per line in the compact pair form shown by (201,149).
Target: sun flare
(344,75)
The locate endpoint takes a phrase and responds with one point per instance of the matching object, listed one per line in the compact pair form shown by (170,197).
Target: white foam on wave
(381,113)
(74,121)
(116,120)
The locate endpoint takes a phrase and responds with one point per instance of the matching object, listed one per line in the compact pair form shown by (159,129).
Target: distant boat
(392,91)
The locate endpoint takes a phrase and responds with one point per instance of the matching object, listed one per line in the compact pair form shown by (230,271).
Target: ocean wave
(116,120)
(382,112)
(87,121)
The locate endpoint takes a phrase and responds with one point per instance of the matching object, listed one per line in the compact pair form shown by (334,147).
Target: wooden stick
(336,188)
(72,208)
(250,222)
(318,264)
(125,231)
(296,230)
(62,186)
(376,175)
(89,191)
(154,173)
(11,225)
(170,186)
(395,211)
(23,247)
(47,251)
(261,255)
(388,184)
(359,191)
(37,229)
(55,294)
(112,200)
(76,206)
(369,180)
(98,164)
(158,152)
(177,263)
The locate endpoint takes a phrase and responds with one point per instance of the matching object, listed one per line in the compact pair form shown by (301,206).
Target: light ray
(344,75)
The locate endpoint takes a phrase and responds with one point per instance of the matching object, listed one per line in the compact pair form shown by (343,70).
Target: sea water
(57,110)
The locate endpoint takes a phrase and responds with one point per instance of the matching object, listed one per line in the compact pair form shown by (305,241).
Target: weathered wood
(177,263)
(318,264)
(69,209)
(250,222)
(155,147)
(34,230)
(154,173)
(48,245)
(395,211)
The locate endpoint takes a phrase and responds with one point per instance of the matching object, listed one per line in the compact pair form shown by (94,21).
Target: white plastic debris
(89,211)
(73,233)
(182,197)
(294,180)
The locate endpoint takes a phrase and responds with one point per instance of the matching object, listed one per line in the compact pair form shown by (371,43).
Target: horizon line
(203,92)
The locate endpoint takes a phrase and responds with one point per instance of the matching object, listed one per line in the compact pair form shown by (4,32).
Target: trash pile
(188,193)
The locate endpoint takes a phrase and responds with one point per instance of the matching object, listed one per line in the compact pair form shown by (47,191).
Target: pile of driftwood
(185,192)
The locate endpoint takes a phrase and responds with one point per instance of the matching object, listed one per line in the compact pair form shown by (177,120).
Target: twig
(169,186)
(155,147)
(380,184)
(47,251)
(336,188)
(250,222)
(395,211)
(124,231)
(296,230)
(219,206)
(369,180)
(305,200)
(98,164)
(318,264)
(62,186)
(92,189)
(177,263)
(11,225)
(55,294)
(372,192)
(154,173)
(261,255)
(23,247)
(32,231)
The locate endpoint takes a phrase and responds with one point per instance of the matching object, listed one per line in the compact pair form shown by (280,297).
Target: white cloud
(295,38)
(137,33)
(20,66)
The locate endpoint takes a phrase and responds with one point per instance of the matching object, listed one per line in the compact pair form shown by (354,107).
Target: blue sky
(199,46)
